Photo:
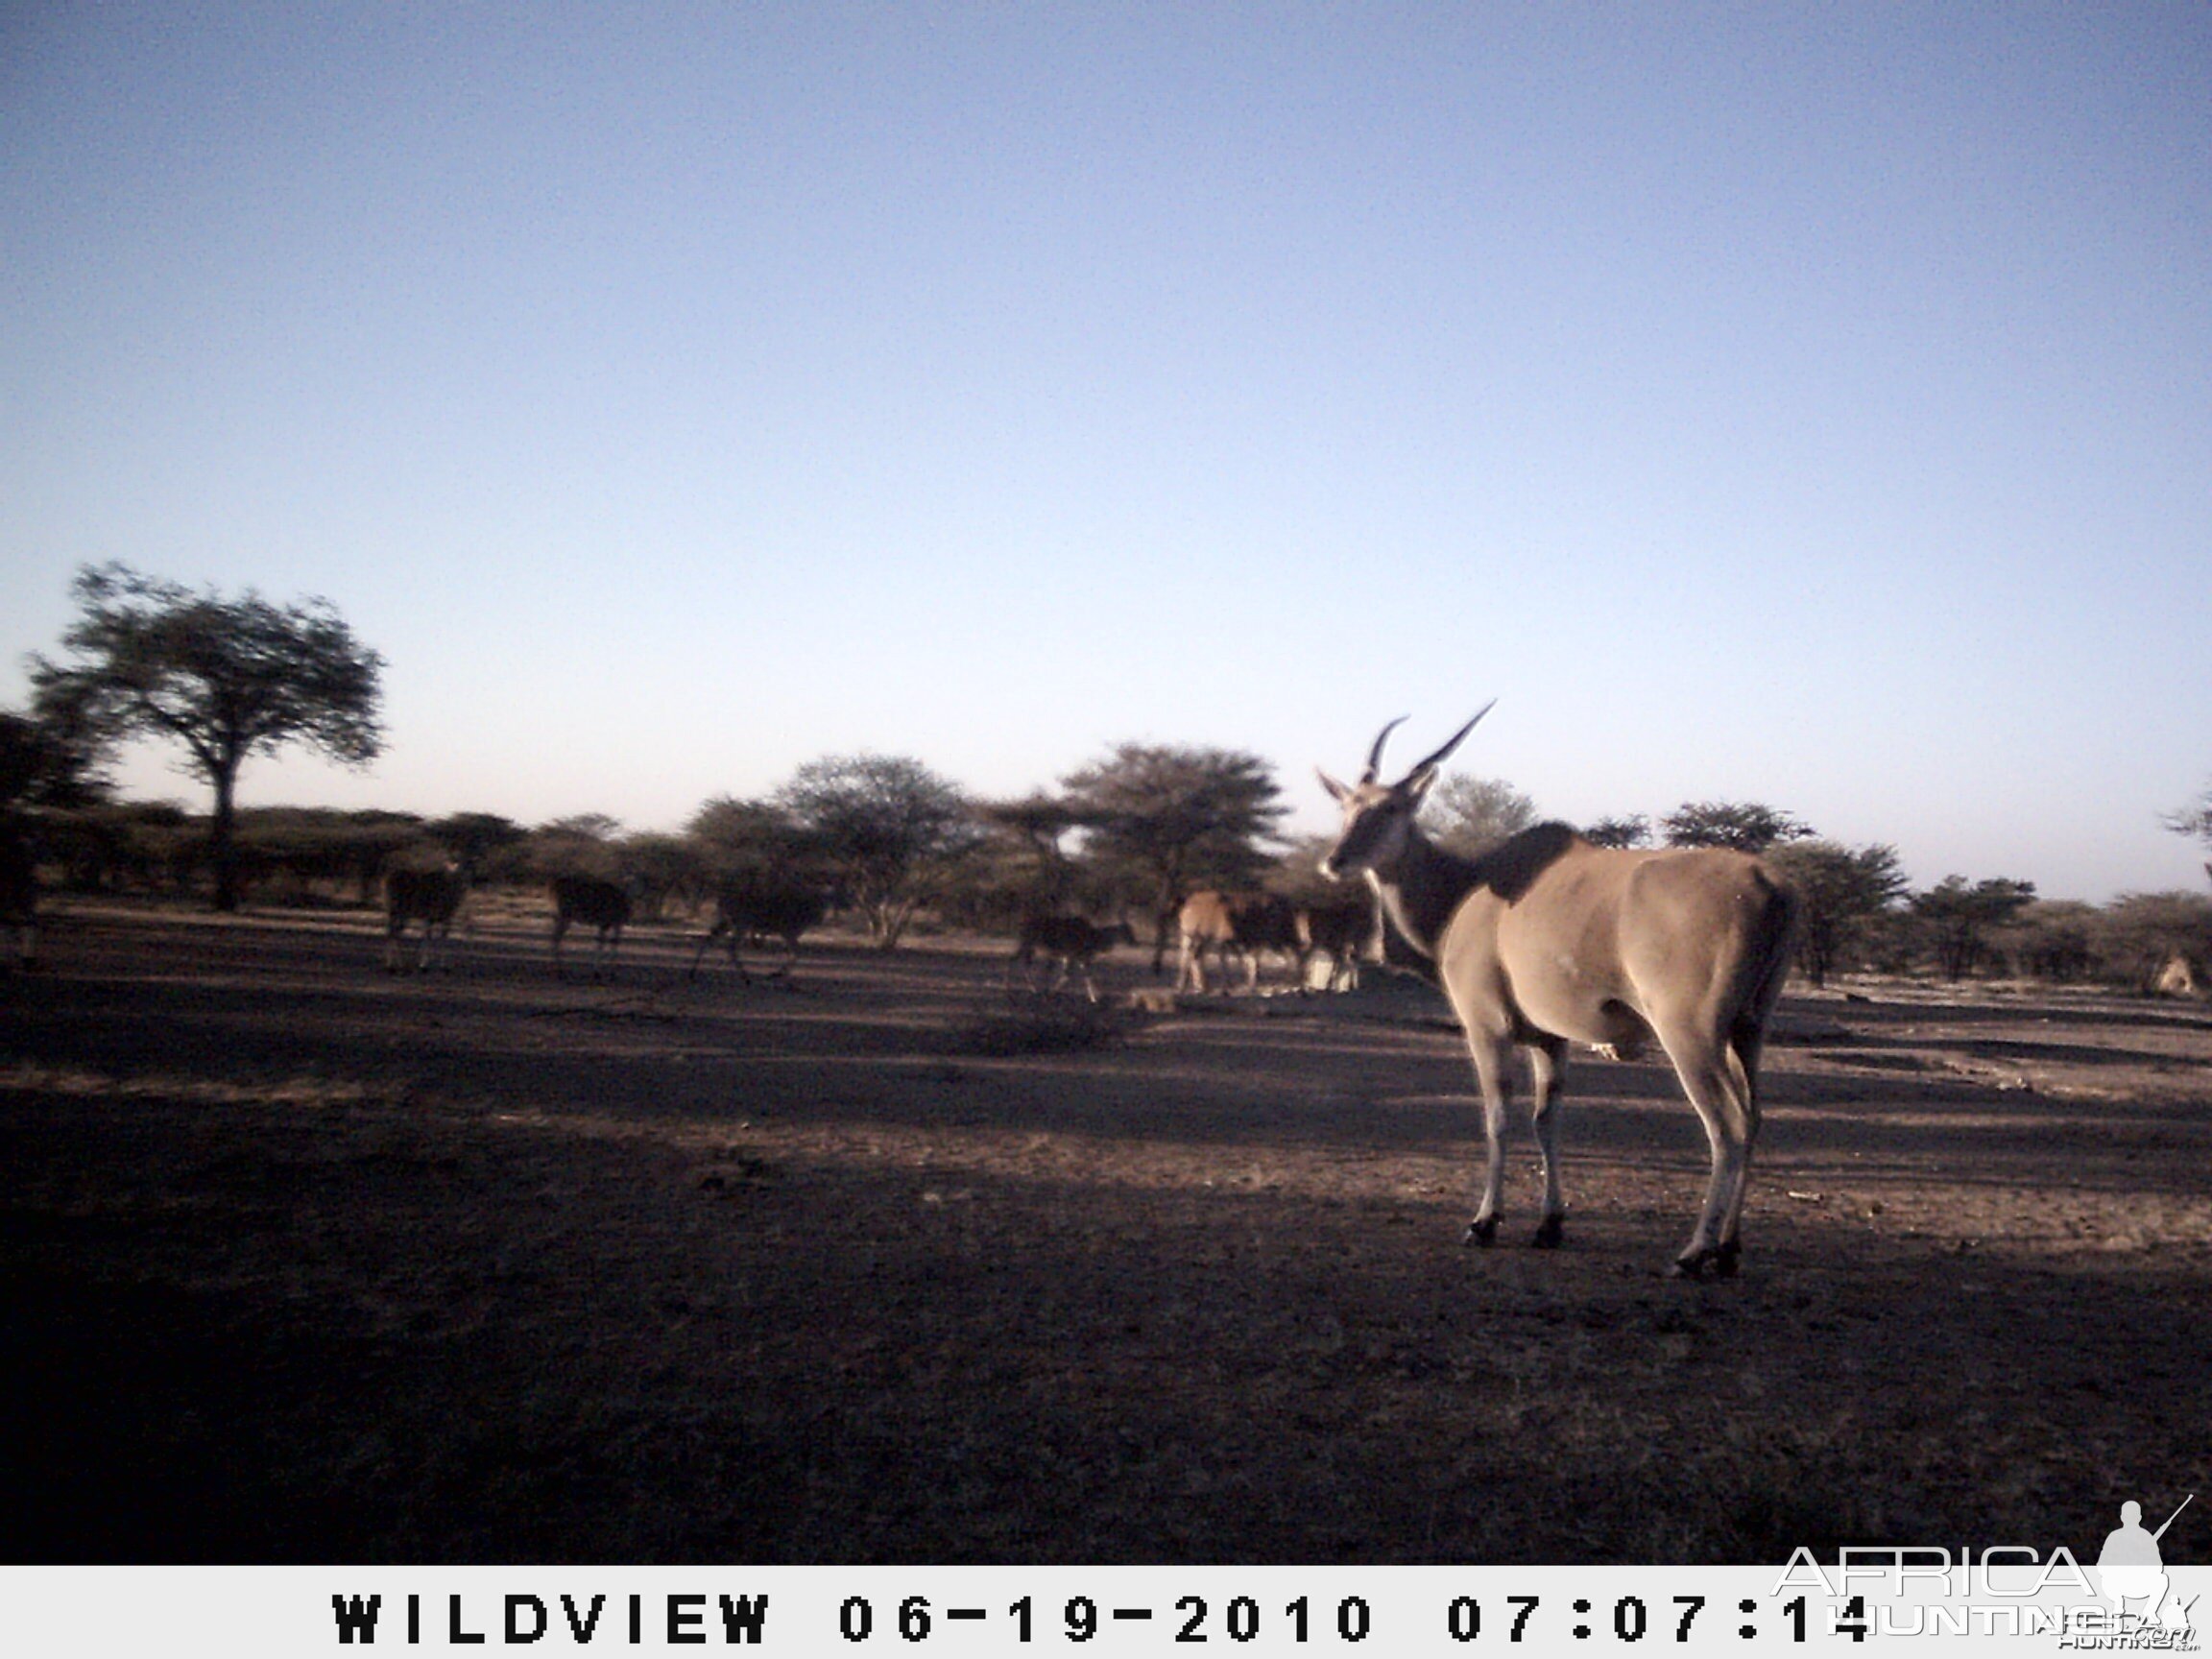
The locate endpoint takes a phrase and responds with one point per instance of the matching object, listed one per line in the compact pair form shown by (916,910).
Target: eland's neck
(1422,889)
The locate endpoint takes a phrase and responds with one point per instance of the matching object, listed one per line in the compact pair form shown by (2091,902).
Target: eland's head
(1379,816)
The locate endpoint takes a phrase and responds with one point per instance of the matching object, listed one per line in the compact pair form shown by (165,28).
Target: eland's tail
(1766,958)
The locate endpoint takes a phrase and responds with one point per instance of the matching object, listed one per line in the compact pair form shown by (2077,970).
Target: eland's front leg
(1493,1078)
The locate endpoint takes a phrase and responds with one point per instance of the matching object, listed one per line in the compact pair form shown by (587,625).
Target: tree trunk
(222,848)
(1166,931)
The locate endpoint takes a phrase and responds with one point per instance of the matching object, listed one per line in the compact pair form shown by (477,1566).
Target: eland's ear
(1337,792)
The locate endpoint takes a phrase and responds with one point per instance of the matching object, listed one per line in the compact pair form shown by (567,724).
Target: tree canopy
(1037,820)
(1747,826)
(739,836)
(887,824)
(43,764)
(1840,891)
(1025,851)
(1471,815)
(1178,818)
(1633,830)
(1961,915)
(225,677)
(2194,819)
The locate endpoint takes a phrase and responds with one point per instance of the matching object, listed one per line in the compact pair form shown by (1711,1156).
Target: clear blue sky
(1806,405)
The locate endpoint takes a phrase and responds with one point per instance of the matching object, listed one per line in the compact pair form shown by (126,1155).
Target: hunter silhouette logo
(2130,1568)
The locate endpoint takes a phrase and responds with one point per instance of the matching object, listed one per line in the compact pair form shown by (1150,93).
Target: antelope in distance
(1249,923)
(1547,939)
(1338,933)
(600,904)
(432,897)
(744,910)
(1069,941)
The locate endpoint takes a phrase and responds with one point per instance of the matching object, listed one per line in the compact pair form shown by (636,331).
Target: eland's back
(1611,945)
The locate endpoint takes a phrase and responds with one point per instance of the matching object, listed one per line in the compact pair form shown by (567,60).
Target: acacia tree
(1020,869)
(2194,819)
(1747,826)
(1840,891)
(44,764)
(1471,815)
(1034,824)
(2056,940)
(1176,818)
(1960,916)
(225,677)
(1633,830)
(888,824)
(736,836)
(661,867)
(579,844)
(742,848)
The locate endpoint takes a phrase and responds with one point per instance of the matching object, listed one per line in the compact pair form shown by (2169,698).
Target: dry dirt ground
(303,1262)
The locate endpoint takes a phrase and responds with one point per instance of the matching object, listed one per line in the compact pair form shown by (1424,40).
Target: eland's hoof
(1726,1259)
(1689,1266)
(1482,1230)
(1549,1233)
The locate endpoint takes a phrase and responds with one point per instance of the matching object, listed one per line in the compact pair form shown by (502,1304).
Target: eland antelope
(767,908)
(1548,940)
(432,897)
(600,904)
(1072,942)
(1224,921)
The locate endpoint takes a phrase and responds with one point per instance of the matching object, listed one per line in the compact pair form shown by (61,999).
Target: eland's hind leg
(1714,1078)
(1741,1067)
(1190,968)
(1547,1076)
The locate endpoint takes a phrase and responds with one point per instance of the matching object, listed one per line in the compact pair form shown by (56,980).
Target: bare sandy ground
(303,1262)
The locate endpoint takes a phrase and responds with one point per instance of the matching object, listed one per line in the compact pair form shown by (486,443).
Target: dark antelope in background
(431,897)
(749,909)
(1072,942)
(600,904)
(1224,921)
